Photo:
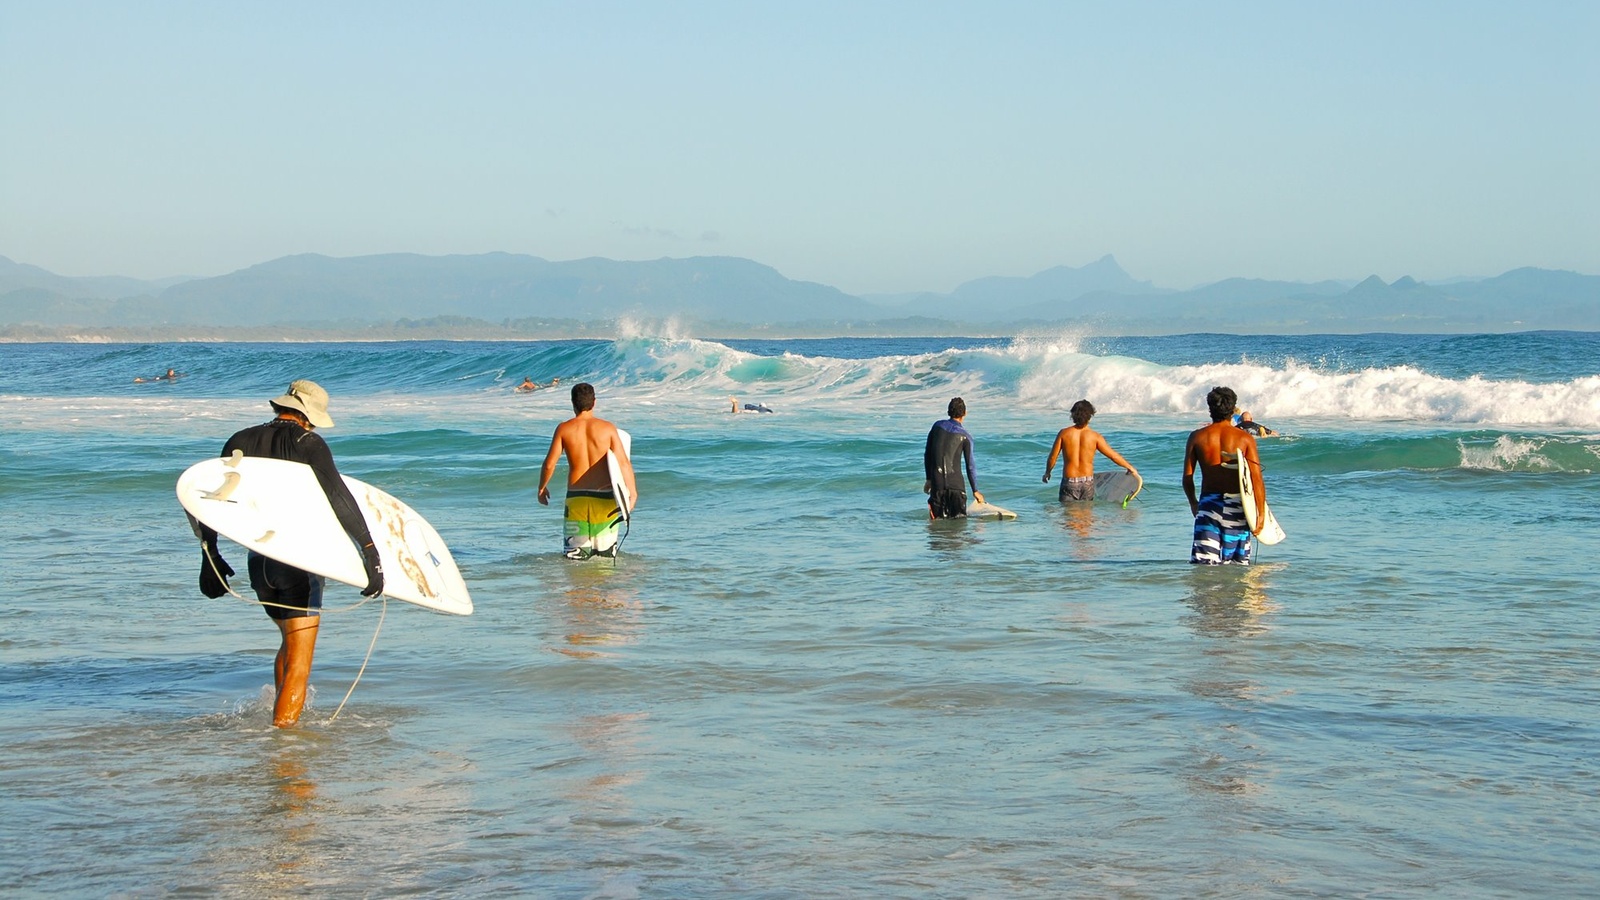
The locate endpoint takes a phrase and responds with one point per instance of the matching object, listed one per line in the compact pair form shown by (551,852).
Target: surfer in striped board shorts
(1220,534)
(592,513)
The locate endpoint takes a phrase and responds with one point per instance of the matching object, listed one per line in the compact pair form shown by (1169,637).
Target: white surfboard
(977,510)
(1271,532)
(619,484)
(1117,487)
(278,509)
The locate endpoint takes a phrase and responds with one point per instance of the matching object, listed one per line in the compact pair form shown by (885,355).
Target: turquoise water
(793,684)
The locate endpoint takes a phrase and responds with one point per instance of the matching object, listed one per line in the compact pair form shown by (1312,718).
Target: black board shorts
(284,591)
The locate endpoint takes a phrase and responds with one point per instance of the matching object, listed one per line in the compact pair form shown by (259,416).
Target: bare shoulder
(1249,443)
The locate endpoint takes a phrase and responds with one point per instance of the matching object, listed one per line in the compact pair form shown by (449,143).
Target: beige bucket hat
(308,397)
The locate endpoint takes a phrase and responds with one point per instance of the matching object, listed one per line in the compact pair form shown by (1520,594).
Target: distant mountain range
(520,294)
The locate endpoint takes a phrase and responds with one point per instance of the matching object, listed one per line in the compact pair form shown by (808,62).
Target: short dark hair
(1082,412)
(1222,401)
(957,408)
(582,396)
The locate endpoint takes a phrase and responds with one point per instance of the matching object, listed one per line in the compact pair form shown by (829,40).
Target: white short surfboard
(277,508)
(1117,487)
(1271,532)
(619,484)
(977,510)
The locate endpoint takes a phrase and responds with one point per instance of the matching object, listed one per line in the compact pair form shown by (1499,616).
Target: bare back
(1077,445)
(584,440)
(1210,448)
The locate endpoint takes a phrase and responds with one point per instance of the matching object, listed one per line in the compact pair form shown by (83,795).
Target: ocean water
(792,684)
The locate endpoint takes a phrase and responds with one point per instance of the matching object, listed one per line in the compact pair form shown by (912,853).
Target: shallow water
(792,684)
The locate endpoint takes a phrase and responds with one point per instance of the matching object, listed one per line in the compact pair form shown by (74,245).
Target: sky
(873,146)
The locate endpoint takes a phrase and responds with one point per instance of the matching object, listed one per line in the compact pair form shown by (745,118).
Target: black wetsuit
(949,449)
(276,583)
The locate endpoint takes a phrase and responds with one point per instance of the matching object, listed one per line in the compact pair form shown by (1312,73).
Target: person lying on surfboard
(1077,445)
(1220,533)
(592,515)
(1248,423)
(748,407)
(291,596)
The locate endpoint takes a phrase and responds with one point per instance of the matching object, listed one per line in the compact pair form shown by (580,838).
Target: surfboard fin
(230,480)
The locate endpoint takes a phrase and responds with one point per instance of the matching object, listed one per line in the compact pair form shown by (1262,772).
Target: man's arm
(972,470)
(1055,452)
(1188,476)
(320,459)
(549,468)
(1105,448)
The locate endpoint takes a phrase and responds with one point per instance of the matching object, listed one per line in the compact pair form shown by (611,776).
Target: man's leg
(293,669)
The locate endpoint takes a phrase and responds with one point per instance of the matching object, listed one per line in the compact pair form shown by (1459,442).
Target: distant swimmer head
(582,396)
(1222,402)
(957,408)
(309,399)
(1082,412)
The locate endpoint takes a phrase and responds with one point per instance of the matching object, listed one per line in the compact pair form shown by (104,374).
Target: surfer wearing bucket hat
(309,399)
(291,596)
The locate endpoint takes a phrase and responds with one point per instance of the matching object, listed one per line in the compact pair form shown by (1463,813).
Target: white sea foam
(649,364)
(1506,454)
(1051,372)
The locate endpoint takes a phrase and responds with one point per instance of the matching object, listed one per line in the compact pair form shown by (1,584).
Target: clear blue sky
(877,147)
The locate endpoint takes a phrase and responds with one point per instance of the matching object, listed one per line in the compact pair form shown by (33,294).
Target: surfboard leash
(263,603)
(627,525)
(363,669)
(383,613)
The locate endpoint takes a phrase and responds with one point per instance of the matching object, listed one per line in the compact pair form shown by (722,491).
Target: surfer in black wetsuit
(1248,423)
(291,596)
(949,448)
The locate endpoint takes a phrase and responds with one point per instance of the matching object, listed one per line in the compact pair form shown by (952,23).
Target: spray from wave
(1051,372)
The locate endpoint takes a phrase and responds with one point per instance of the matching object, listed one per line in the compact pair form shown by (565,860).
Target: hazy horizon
(884,148)
(891,297)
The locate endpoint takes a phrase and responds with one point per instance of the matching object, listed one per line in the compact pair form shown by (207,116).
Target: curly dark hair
(957,408)
(1082,412)
(1222,401)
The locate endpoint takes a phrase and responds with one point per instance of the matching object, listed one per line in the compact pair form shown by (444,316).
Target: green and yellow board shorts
(593,524)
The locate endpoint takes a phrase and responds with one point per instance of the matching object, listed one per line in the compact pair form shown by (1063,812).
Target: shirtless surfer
(1220,533)
(528,384)
(592,513)
(1077,444)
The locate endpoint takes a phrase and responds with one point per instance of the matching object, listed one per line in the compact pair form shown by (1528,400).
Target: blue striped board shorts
(1221,536)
